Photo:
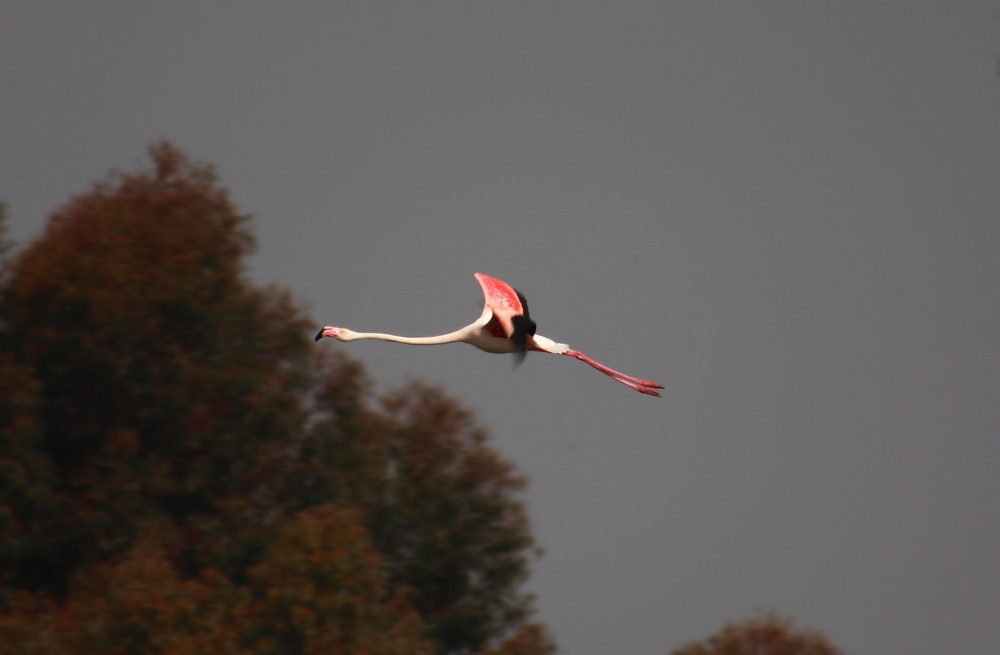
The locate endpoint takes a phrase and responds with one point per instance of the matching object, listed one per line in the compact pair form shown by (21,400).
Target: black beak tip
(319,336)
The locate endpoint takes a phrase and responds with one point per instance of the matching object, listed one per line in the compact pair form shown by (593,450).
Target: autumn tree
(530,639)
(176,456)
(140,603)
(764,635)
(29,507)
(438,501)
(135,316)
(322,589)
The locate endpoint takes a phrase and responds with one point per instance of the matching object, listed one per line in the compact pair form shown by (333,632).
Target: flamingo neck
(451,337)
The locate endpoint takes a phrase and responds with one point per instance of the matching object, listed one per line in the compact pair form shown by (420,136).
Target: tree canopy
(182,471)
(763,635)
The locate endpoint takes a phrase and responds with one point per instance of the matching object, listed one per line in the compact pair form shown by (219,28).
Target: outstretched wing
(500,296)
(510,309)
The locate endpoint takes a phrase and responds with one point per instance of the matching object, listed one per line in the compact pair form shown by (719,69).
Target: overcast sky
(788,213)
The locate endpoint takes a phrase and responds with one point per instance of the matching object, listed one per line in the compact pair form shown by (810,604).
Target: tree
(440,504)
(171,442)
(134,315)
(447,521)
(138,603)
(322,589)
(29,508)
(531,639)
(765,635)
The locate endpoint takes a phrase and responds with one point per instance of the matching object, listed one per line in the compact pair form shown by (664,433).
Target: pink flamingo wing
(502,299)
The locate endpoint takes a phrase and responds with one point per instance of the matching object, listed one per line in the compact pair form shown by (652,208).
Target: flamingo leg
(642,386)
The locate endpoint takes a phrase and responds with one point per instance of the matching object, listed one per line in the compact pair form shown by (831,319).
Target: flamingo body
(505,326)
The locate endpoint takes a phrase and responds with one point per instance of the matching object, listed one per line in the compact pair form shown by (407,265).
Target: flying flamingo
(504,327)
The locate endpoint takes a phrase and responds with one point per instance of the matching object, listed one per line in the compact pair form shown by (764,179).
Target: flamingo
(504,327)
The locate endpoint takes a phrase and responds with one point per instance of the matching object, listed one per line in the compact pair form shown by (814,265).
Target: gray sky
(788,213)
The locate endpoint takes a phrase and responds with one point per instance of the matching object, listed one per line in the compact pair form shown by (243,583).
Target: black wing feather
(523,326)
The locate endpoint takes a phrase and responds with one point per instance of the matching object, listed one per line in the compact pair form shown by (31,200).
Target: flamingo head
(337,333)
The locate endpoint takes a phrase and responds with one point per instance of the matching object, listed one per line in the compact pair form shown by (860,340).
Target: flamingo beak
(332,332)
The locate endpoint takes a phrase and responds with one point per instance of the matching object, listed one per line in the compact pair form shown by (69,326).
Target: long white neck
(451,337)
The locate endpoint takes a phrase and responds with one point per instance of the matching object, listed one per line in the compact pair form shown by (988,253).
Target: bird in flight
(504,327)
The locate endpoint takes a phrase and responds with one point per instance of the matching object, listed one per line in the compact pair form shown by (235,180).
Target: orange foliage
(322,589)
(452,517)
(531,639)
(168,382)
(440,503)
(767,635)
(139,604)
(180,473)
(29,624)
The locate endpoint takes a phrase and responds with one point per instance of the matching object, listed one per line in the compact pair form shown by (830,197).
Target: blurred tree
(144,381)
(531,639)
(448,523)
(29,508)
(139,604)
(322,589)
(440,503)
(135,318)
(28,624)
(765,635)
